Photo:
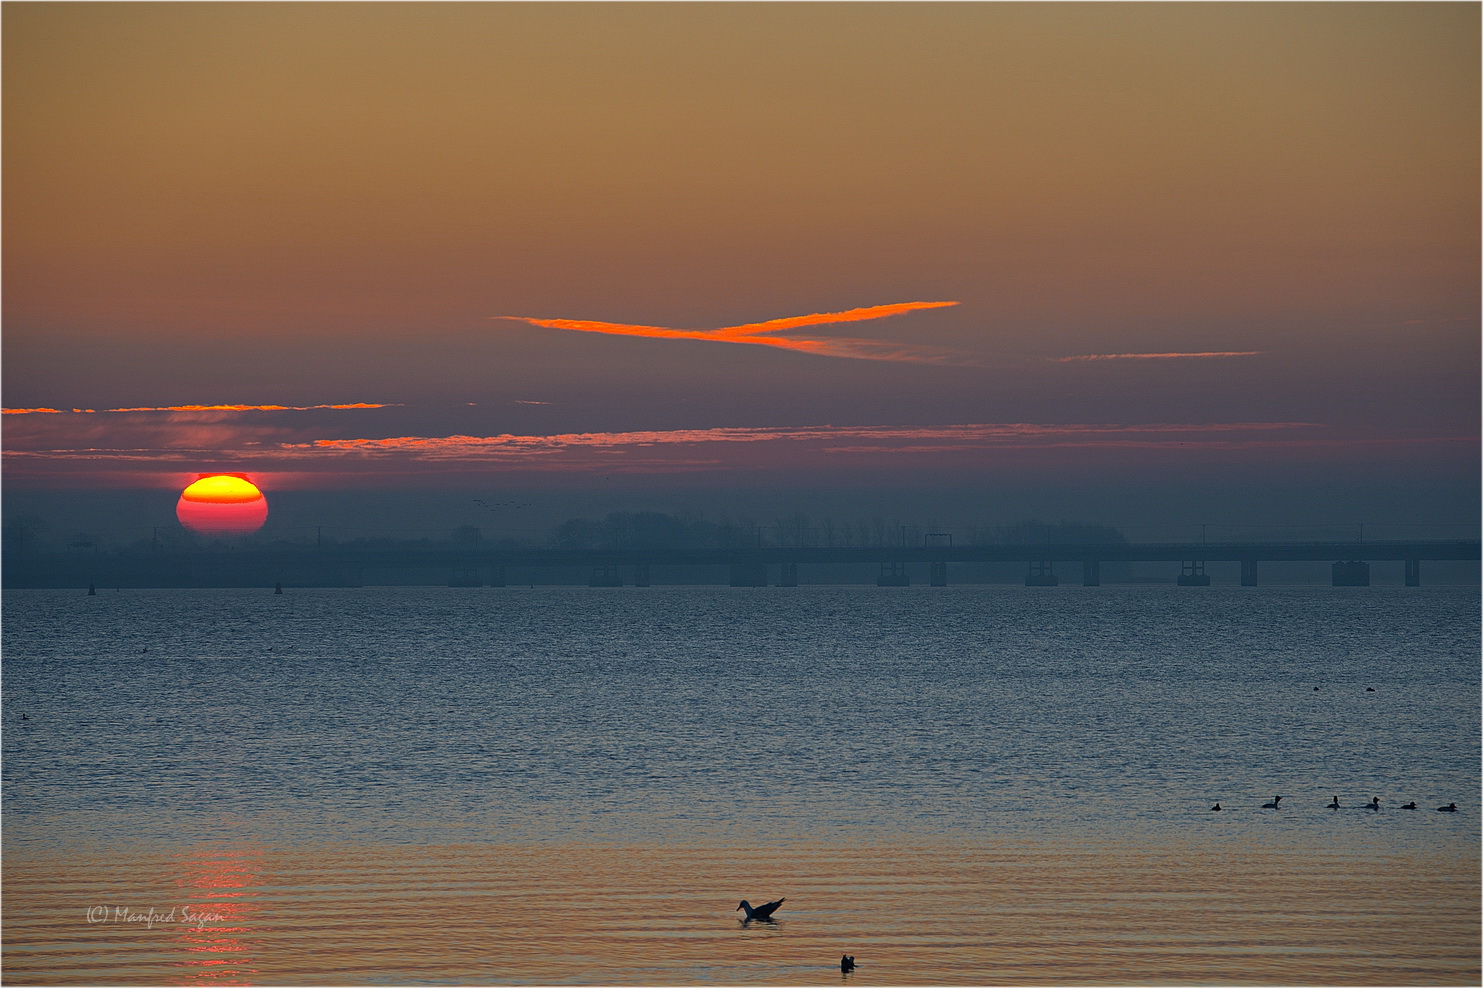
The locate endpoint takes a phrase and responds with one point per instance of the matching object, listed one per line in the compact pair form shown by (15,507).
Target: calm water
(983,785)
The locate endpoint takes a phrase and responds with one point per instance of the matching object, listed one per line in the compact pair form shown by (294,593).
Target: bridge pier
(1091,573)
(1041,575)
(641,574)
(467,577)
(605,575)
(893,575)
(1248,572)
(787,574)
(1413,572)
(939,573)
(1352,574)
(1192,574)
(749,574)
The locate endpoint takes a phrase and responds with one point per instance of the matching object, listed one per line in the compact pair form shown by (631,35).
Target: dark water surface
(959,785)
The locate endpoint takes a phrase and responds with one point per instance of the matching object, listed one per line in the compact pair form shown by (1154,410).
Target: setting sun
(222,504)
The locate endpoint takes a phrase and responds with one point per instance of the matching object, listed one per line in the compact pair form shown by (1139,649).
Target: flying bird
(763,912)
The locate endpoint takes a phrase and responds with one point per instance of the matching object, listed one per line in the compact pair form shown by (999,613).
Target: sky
(1125,263)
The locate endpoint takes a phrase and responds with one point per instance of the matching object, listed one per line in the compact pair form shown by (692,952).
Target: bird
(1335,804)
(1374,802)
(1410,806)
(1215,808)
(762,912)
(1449,808)
(1369,689)
(846,964)
(1273,804)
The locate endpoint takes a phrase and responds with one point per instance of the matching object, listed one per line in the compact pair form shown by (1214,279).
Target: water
(983,785)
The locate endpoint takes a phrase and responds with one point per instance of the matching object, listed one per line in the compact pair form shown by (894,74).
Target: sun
(222,504)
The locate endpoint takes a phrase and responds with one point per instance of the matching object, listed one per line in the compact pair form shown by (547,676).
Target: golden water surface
(1013,912)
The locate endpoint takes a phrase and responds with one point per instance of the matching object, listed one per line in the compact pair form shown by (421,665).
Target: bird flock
(1373,804)
(763,913)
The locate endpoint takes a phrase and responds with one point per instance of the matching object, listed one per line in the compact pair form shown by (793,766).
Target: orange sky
(1140,213)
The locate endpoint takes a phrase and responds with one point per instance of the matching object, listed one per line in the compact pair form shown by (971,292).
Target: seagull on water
(762,912)
(1273,804)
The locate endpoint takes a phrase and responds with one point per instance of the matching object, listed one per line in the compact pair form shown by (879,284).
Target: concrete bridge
(779,565)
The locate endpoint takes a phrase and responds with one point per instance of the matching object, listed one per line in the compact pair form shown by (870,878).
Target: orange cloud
(754,333)
(191,408)
(1156,356)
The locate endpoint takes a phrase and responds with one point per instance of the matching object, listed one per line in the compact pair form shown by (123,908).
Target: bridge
(477,565)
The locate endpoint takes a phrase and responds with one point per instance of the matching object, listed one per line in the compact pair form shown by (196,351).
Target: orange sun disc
(222,504)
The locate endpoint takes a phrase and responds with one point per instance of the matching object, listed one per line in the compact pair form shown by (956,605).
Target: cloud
(822,439)
(756,333)
(190,408)
(153,447)
(1156,356)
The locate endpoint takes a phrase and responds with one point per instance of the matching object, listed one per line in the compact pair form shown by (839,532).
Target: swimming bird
(1335,804)
(1374,803)
(1215,808)
(1449,808)
(763,912)
(1273,804)
(846,963)
(1410,806)
(1369,689)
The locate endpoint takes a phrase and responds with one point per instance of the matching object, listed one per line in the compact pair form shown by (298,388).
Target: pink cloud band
(1157,356)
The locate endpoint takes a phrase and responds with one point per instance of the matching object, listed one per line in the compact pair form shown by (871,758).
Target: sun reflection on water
(220,889)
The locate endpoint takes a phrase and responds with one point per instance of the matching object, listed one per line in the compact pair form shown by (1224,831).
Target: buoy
(92,590)
(278,588)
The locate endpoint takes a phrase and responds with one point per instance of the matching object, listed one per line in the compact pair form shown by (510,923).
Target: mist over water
(967,740)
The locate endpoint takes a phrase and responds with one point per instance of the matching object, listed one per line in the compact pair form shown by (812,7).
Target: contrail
(754,333)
